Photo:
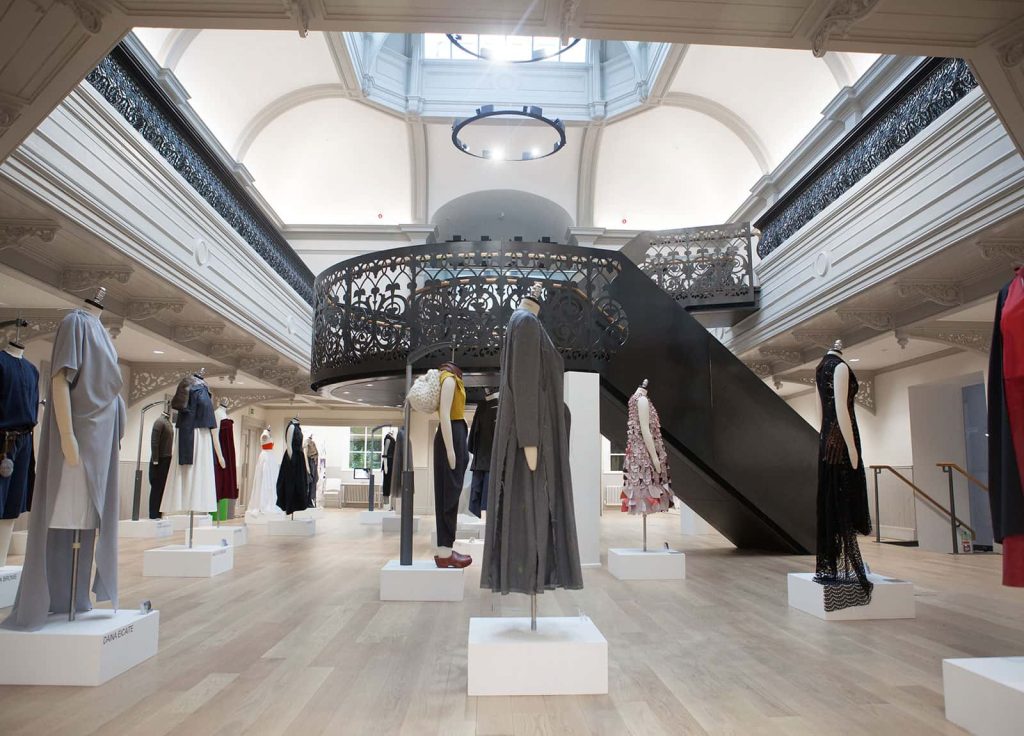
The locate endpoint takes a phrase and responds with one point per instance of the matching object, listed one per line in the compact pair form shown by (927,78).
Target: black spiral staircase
(740,456)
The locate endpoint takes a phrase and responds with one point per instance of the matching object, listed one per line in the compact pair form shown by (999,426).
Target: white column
(582,396)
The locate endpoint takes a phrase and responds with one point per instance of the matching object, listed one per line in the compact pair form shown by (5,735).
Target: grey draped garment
(531,542)
(83,349)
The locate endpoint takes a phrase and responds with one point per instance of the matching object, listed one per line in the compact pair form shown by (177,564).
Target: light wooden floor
(294,641)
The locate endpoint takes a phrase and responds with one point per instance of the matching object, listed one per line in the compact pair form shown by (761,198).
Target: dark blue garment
(478,492)
(19,405)
(197,414)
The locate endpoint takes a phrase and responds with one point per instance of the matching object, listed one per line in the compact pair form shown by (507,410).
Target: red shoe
(457,561)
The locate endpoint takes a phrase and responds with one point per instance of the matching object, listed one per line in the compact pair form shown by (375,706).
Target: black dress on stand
(842,500)
(293,478)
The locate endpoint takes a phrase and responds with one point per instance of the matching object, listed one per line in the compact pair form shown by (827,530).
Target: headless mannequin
(841,381)
(288,434)
(533,306)
(444,416)
(215,431)
(15,350)
(643,410)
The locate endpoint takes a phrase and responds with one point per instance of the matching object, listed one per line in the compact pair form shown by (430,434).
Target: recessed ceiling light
(369,385)
(158,352)
(346,392)
(854,360)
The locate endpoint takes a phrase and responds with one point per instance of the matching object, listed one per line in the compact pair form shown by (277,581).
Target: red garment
(1011,326)
(226,478)
(267,445)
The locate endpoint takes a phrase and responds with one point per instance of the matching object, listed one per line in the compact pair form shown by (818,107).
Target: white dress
(263,494)
(192,487)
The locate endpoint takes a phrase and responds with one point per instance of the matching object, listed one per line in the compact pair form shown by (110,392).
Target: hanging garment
(263,495)
(82,350)
(1006,429)
(398,468)
(19,402)
(387,459)
(313,474)
(531,542)
(448,480)
(161,448)
(292,478)
(842,499)
(226,478)
(481,439)
(191,483)
(644,489)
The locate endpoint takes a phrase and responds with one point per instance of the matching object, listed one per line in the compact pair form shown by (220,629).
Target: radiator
(613,495)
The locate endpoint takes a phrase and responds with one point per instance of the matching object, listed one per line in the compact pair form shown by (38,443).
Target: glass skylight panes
(437,46)
(500,48)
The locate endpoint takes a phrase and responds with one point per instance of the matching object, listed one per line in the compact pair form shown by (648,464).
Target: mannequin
(451,458)
(387,459)
(313,461)
(646,482)
(293,476)
(76,492)
(226,474)
(842,488)
(531,544)
(262,501)
(19,402)
(161,449)
(481,438)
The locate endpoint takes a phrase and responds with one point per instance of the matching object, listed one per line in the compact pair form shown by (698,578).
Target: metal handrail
(964,473)
(954,520)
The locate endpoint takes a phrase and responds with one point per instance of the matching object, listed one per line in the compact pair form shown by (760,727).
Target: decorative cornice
(876,319)
(760,368)
(567,20)
(197,331)
(1012,249)
(10,110)
(792,357)
(230,348)
(14,233)
(301,14)
(815,339)
(140,309)
(1011,53)
(975,336)
(238,398)
(252,363)
(80,278)
(928,92)
(838,20)
(42,323)
(279,374)
(945,292)
(148,378)
(87,14)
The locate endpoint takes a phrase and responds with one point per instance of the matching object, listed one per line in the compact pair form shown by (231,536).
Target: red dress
(1011,326)
(226,478)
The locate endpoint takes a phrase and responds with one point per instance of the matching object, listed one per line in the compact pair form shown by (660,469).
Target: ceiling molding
(841,68)
(590,151)
(279,106)
(839,19)
(727,117)
(82,277)
(15,233)
(145,379)
(140,309)
(419,162)
(945,292)
(175,46)
(975,336)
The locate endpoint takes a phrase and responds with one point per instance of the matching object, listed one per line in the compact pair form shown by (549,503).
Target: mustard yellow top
(459,402)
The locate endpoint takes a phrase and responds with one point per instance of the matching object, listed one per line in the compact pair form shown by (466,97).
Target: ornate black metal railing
(372,311)
(699,267)
(932,89)
(136,96)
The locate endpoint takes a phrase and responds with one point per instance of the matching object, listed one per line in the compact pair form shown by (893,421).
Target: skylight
(502,48)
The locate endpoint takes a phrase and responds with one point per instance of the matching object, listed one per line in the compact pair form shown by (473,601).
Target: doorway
(976,451)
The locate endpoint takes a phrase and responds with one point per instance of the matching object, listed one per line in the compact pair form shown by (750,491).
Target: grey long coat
(531,542)
(83,349)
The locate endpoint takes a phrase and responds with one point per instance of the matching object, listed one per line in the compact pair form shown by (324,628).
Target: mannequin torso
(643,407)
(841,379)
(533,307)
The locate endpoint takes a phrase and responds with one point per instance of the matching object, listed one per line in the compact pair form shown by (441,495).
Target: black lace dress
(842,500)
(293,478)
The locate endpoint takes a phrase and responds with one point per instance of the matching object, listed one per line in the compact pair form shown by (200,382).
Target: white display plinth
(234,535)
(179,561)
(375,517)
(95,647)
(10,575)
(985,696)
(19,542)
(259,520)
(890,599)
(394,524)
(564,656)
(421,581)
(314,513)
(654,564)
(145,528)
(292,527)
(472,547)
(179,522)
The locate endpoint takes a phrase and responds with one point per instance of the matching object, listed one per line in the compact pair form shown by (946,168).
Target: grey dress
(531,542)
(83,349)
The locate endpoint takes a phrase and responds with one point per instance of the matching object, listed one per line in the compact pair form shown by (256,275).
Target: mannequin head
(94,304)
(837,347)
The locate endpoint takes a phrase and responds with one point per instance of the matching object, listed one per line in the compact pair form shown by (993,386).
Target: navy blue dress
(19,406)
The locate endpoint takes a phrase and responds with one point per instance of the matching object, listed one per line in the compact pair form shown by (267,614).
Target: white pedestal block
(314,513)
(234,535)
(95,647)
(19,542)
(179,522)
(564,656)
(292,527)
(890,598)
(985,696)
(179,561)
(421,581)
(375,517)
(10,575)
(654,564)
(394,524)
(145,528)
(472,547)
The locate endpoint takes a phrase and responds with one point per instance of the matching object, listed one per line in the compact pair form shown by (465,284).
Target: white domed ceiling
(355,129)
